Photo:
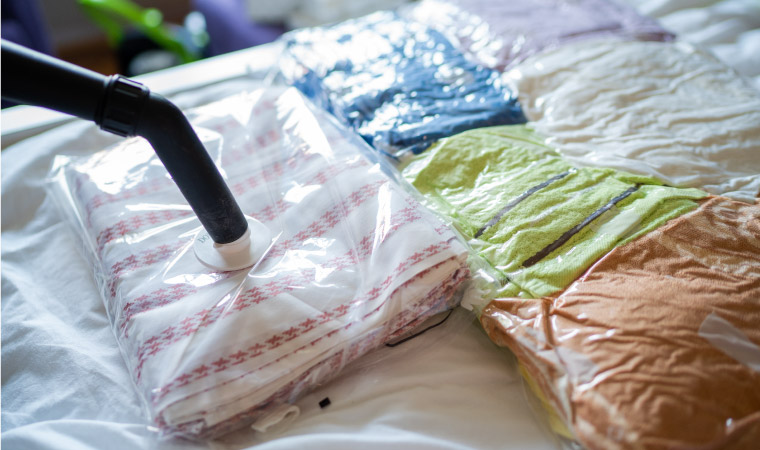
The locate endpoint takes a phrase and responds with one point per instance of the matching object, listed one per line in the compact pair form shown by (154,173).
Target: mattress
(641,145)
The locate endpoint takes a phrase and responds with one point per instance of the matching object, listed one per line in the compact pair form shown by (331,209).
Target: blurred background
(136,37)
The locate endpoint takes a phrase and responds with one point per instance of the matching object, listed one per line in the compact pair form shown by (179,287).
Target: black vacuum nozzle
(127,108)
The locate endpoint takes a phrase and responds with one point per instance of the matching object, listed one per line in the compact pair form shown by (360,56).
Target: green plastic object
(113,15)
(537,220)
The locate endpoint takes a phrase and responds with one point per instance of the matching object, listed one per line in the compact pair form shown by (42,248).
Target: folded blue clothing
(398,83)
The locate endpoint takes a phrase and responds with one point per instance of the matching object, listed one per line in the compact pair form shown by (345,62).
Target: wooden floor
(97,56)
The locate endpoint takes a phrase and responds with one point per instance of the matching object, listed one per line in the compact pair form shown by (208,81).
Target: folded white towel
(354,262)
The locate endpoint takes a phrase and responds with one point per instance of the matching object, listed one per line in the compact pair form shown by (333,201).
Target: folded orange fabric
(658,344)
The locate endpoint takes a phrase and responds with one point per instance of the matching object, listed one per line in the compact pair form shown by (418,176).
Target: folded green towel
(539,221)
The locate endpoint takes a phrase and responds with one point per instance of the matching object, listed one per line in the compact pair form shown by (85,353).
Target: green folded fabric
(538,221)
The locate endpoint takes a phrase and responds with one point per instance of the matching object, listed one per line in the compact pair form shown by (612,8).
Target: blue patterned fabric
(399,84)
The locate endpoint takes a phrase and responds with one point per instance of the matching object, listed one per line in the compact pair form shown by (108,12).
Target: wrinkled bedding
(645,340)
(65,384)
(356,262)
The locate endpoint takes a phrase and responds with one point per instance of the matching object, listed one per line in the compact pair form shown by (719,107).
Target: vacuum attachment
(235,255)
(127,108)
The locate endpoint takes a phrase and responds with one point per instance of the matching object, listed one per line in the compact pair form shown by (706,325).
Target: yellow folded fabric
(539,221)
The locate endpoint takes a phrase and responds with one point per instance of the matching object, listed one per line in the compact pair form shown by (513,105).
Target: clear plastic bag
(668,110)
(658,344)
(538,221)
(398,83)
(499,34)
(353,262)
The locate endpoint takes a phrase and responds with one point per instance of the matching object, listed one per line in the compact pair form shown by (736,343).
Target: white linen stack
(354,262)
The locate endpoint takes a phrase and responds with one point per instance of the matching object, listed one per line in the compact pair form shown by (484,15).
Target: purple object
(230,28)
(500,33)
(22,23)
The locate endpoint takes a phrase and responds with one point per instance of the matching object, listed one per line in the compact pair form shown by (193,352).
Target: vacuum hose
(127,108)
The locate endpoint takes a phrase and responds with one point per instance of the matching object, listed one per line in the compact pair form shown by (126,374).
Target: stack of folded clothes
(399,84)
(632,306)
(354,261)
(628,292)
(536,219)
(499,34)
(658,344)
(668,110)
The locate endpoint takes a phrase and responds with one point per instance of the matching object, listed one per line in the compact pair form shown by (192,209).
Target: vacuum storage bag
(499,34)
(537,220)
(398,83)
(668,110)
(658,344)
(351,261)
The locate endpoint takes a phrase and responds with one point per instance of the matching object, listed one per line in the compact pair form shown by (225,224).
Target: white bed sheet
(730,29)
(64,384)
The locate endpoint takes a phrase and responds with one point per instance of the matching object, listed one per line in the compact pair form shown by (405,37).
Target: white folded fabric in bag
(669,110)
(354,261)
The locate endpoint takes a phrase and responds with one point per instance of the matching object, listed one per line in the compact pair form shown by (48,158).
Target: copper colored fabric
(658,344)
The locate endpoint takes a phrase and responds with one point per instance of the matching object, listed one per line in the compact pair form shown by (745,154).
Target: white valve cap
(242,253)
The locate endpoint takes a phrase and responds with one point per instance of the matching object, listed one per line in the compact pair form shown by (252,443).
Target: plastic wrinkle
(398,83)
(280,417)
(354,261)
(657,345)
(667,110)
(499,34)
(727,28)
(730,340)
(538,221)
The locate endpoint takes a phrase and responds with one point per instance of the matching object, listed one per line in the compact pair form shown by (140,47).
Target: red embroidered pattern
(166,296)
(155,185)
(271,212)
(329,218)
(276,340)
(269,290)
(268,174)
(328,368)
(162,297)
(144,258)
(147,187)
(266,214)
(134,223)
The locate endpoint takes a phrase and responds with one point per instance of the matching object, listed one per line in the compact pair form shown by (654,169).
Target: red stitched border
(324,370)
(208,316)
(240,356)
(171,294)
